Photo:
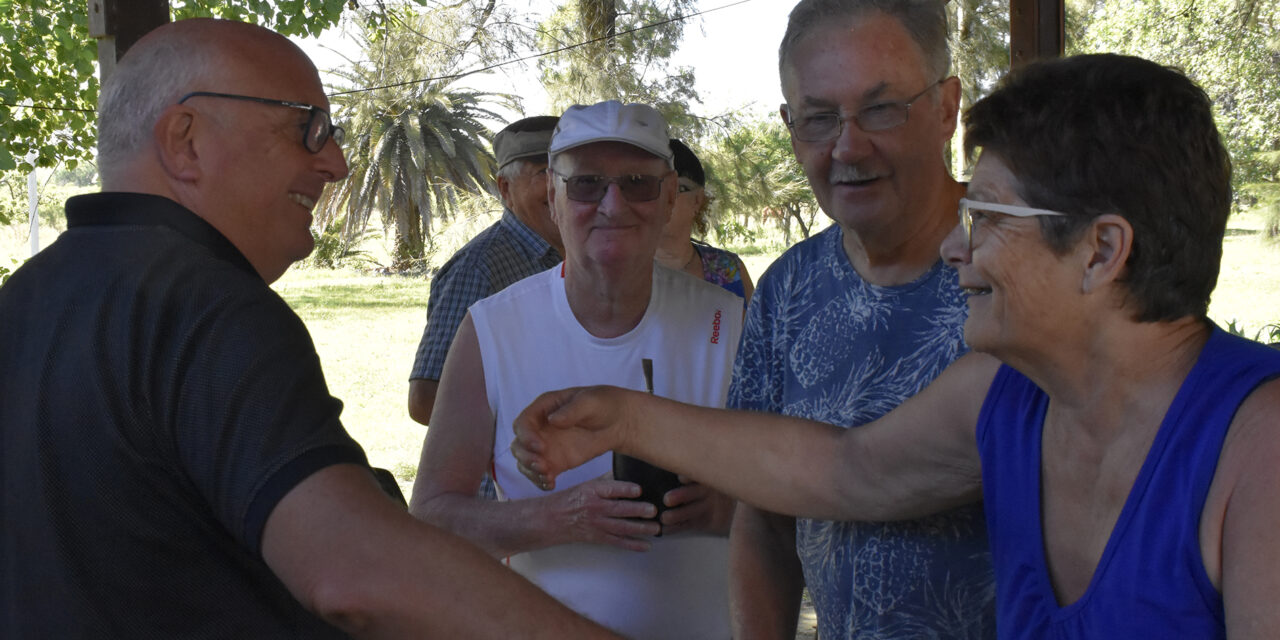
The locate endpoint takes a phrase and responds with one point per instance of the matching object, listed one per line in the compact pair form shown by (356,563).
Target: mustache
(851,173)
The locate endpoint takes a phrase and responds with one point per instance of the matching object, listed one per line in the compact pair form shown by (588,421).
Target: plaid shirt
(506,252)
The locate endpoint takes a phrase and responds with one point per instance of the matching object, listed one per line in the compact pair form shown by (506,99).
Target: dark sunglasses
(634,188)
(315,133)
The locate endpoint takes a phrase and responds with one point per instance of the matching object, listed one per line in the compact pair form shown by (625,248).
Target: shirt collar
(526,237)
(116,208)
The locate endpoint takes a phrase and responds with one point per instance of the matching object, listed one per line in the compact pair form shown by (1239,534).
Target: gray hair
(512,170)
(924,20)
(147,81)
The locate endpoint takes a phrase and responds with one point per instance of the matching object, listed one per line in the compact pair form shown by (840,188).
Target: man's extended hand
(563,429)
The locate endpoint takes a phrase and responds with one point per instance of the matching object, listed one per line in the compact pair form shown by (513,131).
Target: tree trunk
(408,243)
(794,212)
(963,69)
(599,20)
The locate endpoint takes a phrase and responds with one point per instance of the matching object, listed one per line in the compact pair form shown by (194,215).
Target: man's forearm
(356,559)
(765,579)
(501,528)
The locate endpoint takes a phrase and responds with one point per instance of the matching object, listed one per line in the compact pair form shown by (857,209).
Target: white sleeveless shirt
(530,342)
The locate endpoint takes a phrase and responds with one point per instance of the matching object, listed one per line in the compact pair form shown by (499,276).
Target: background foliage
(1230,47)
(619,50)
(419,149)
(415,141)
(48,87)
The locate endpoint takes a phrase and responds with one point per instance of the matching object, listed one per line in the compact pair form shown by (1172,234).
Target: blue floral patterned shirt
(821,343)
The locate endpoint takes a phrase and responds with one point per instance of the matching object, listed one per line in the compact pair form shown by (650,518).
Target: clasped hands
(563,429)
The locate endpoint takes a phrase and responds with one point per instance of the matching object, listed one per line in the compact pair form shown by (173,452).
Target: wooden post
(117,24)
(1035,30)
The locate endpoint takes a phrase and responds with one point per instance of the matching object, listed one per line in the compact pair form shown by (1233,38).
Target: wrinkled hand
(605,511)
(697,507)
(563,429)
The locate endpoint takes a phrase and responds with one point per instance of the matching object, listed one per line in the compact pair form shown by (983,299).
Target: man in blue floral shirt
(848,324)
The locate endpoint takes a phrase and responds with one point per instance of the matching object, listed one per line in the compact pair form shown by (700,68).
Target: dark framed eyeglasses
(969,209)
(828,125)
(315,133)
(591,188)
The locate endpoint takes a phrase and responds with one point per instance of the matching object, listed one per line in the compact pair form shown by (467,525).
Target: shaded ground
(807,627)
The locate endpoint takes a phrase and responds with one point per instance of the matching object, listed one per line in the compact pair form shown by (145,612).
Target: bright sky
(733,52)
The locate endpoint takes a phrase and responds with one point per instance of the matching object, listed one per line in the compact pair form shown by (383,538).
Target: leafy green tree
(619,50)
(979,58)
(1229,47)
(754,175)
(1267,191)
(53,188)
(415,140)
(48,90)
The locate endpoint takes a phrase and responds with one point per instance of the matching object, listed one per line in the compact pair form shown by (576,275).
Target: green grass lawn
(1249,284)
(366,329)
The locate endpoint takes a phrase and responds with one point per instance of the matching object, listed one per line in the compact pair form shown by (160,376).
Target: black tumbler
(654,482)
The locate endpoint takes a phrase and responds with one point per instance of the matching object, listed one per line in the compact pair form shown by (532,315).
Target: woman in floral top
(678,251)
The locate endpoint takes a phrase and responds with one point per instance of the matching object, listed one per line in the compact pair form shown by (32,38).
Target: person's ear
(175,135)
(785,114)
(949,104)
(504,189)
(552,186)
(1108,242)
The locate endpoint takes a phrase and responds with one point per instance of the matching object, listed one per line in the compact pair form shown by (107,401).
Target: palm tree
(413,145)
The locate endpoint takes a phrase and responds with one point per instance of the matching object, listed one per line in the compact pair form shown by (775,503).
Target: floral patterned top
(720,267)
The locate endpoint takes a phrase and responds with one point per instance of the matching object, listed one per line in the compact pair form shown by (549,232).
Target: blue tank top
(1150,581)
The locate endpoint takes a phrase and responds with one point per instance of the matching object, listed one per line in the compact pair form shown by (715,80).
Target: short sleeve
(248,410)
(458,285)
(755,385)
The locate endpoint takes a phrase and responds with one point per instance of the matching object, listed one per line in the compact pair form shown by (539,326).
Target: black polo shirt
(157,399)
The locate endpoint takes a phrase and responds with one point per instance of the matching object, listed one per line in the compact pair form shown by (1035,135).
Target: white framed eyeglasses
(968,207)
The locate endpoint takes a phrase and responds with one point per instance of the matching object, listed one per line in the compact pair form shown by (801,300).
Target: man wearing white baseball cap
(653,567)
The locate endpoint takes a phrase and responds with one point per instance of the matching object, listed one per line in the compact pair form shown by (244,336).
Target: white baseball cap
(639,125)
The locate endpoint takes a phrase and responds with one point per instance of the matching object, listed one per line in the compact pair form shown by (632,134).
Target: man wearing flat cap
(523,242)
(608,315)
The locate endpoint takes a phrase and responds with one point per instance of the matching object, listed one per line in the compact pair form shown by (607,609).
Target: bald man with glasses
(651,568)
(173,463)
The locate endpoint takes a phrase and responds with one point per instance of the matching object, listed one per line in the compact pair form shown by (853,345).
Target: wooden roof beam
(117,24)
(1036,30)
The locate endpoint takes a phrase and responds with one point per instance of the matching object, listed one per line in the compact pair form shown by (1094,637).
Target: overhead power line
(47,108)
(453,76)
